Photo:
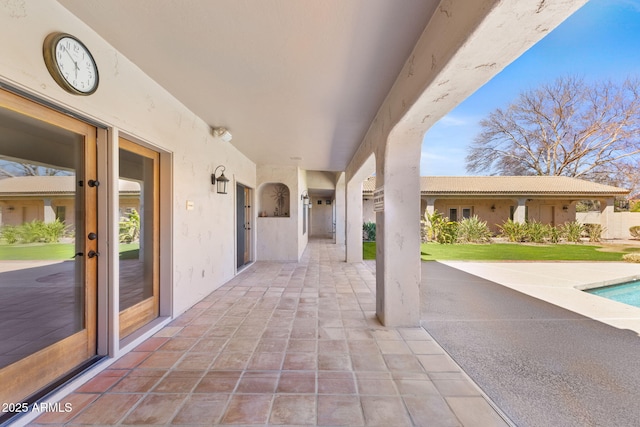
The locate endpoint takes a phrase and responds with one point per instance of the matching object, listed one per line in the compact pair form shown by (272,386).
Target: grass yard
(55,251)
(509,252)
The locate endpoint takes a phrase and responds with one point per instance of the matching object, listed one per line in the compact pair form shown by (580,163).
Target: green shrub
(572,231)
(369,229)
(472,230)
(10,234)
(635,230)
(441,229)
(513,231)
(129,227)
(536,232)
(554,234)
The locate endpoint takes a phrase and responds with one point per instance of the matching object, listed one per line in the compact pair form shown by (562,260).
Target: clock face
(71,64)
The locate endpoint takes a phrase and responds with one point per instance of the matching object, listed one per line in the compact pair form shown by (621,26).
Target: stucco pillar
(606,217)
(398,235)
(431,208)
(49,213)
(341,211)
(354,220)
(519,215)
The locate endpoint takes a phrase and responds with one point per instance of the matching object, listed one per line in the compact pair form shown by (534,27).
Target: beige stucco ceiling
(296,82)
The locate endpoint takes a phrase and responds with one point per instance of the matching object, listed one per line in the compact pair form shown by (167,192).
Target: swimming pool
(628,293)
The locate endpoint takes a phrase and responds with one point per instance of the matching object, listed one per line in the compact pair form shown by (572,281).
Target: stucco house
(230,116)
(47,198)
(495,199)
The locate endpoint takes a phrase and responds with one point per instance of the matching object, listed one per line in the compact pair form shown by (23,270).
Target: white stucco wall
(130,103)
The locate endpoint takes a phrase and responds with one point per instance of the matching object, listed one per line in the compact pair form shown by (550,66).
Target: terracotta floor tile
(178,344)
(385,411)
(139,381)
(339,411)
(266,361)
(131,360)
(376,387)
(300,361)
(176,384)
(77,402)
(336,383)
(151,344)
(302,346)
(403,363)
(155,409)
(209,345)
(272,345)
(161,360)
(231,361)
(333,346)
(218,382)
(416,387)
(293,410)
(297,382)
(334,362)
(195,361)
(248,409)
(202,409)
(103,381)
(258,382)
(108,409)
(430,410)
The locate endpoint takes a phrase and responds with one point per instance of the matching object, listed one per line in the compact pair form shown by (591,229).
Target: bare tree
(9,169)
(569,128)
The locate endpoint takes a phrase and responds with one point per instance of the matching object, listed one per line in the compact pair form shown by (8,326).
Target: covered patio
(283,344)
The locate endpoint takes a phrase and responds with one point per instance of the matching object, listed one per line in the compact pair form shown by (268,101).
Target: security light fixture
(221,181)
(222,133)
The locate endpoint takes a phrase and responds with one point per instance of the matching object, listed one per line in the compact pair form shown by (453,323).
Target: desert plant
(631,257)
(369,231)
(536,232)
(442,230)
(554,234)
(594,232)
(635,230)
(572,231)
(513,231)
(472,230)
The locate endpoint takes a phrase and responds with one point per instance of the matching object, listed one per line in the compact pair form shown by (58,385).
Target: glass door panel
(139,234)
(47,279)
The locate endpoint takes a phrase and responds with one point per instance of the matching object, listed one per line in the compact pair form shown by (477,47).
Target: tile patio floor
(284,344)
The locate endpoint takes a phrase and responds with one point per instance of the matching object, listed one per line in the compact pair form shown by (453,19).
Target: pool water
(628,293)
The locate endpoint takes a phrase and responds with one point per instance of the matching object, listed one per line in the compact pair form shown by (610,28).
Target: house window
(460,213)
(61,213)
(466,213)
(453,214)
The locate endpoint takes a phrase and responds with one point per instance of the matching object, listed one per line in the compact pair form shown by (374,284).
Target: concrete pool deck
(560,283)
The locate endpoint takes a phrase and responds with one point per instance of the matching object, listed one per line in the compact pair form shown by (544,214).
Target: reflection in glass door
(139,236)
(48,258)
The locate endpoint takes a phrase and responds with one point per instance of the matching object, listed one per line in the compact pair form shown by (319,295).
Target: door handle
(92,254)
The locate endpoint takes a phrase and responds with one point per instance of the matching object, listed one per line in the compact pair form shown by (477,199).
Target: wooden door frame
(36,371)
(140,314)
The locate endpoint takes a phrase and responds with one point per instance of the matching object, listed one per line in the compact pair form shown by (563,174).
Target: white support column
(341,211)
(431,207)
(606,217)
(354,220)
(398,269)
(49,213)
(519,215)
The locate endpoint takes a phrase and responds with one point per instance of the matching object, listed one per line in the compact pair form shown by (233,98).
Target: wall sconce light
(221,181)
(305,198)
(493,208)
(565,208)
(222,133)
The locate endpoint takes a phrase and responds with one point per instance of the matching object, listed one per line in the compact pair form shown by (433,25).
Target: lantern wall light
(221,181)
(305,198)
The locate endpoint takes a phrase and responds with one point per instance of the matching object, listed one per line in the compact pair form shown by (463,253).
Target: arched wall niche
(274,200)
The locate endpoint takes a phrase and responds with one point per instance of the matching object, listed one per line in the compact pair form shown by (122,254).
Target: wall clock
(70,63)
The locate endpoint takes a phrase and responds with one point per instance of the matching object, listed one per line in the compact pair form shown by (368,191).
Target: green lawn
(508,251)
(54,251)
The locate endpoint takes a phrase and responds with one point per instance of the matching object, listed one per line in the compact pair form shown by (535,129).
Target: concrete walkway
(542,364)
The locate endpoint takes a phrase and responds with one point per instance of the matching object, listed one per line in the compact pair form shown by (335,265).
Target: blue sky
(600,41)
